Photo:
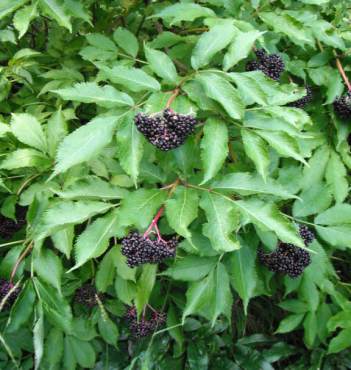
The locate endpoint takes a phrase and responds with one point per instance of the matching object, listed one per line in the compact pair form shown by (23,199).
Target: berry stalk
(343,74)
(19,260)
(172,97)
(154,222)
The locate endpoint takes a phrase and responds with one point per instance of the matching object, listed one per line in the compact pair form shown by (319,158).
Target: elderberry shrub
(144,326)
(5,288)
(301,103)
(271,65)
(140,250)
(167,130)
(342,106)
(86,296)
(8,227)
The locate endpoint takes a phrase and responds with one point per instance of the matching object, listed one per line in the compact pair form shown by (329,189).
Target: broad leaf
(126,40)
(56,10)
(336,178)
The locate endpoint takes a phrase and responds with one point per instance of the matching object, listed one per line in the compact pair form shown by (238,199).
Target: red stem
(172,97)
(19,260)
(343,74)
(154,222)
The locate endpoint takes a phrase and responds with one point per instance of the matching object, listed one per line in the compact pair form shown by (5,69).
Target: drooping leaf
(145,285)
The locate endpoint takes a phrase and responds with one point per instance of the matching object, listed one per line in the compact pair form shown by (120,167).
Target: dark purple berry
(306,234)
(342,106)
(5,288)
(301,103)
(86,296)
(271,65)
(8,227)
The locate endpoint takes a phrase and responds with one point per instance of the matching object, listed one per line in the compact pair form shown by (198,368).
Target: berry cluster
(301,103)
(86,296)
(139,249)
(288,258)
(144,326)
(271,65)
(166,131)
(5,287)
(8,226)
(342,106)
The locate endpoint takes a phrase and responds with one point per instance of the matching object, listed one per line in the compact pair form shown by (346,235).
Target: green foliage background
(73,74)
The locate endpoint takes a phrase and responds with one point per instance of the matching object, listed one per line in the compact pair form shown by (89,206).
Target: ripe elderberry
(286,259)
(8,227)
(306,234)
(139,249)
(271,65)
(145,326)
(86,296)
(166,131)
(5,288)
(342,106)
(301,103)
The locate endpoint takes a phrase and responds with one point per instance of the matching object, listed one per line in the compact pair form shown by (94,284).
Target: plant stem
(154,221)
(343,74)
(19,260)
(12,243)
(172,97)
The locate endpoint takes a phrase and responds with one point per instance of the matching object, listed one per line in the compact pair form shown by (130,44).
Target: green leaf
(182,209)
(22,158)
(338,214)
(56,308)
(145,285)
(130,147)
(267,216)
(242,272)
(245,183)
(108,330)
(9,6)
(38,337)
(211,42)
(190,268)
(48,267)
(183,12)
(284,144)
(28,130)
(290,323)
(90,92)
(123,270)
(336,177)
(161,64)
(63,240)
(64,213)
(133,79)
(106,271)
(91,187)
(84,143)
(125,290)
(56,10)
(337,236)
(340,342)
(219,89)
(23,17)
(310,327)
(141,206)
(240,48)
(83,352)
(214,147)
(54,347)
(126,40)
(94,241)
(222,219)
(56,131)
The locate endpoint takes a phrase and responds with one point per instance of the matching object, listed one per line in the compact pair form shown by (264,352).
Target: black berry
(8,227)
(86,296)
(306,234)
(286,259)
(140,250)
(5,288)
(271,65)
(301,103)
(166,131)
(342,106)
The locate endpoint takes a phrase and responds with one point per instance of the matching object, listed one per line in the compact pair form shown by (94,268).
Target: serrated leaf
(190,268)
(54,346)
(242,272)
(56,10)
(257,150)
(126,40)
(336,215)
(182,209)
(267,216)
(90,92)
(222,219)
(336,177)
(145,285)
(161,64)
(211,42)
(245,183)
(183,12)
(284,144)
(22,158)
(56,131)
(28,130)
(133,79)
(38,337)
(130,147)
(106,271)
(84,143)
(219,89)
(240,48)
(63,240)
(214,145)
(94,240)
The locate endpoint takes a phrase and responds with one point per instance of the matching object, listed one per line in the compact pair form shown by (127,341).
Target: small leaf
(22,158)
(108,330)
(28,130)
(211,42)
(340,342)
(23,17)
(336,177)
(214,147)
(290,323)
(182,209)
(63,240)
(106,271)
(161,64)
(126,40)
(56,131)
(9,6)
(56,10)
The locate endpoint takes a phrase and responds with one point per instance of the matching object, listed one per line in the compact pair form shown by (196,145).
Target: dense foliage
(174,184)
